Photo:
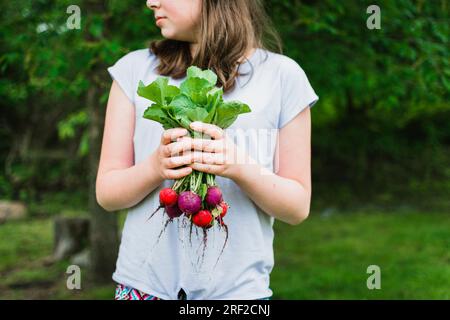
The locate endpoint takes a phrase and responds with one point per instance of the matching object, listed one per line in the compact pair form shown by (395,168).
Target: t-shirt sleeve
(122,72)
(297,93)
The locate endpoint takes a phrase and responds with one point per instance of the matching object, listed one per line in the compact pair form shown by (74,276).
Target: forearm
(284,199)
(124,188)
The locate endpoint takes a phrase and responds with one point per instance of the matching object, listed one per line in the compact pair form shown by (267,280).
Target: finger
(212,130)
(207,168)
(216,146)
(187,143)
(178,174)
(174,162)
(175,148)
(207,157)
(170,135)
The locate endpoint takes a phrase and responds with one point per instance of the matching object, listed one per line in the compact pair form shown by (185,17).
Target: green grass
(326,257)
(26,269)
(23,242)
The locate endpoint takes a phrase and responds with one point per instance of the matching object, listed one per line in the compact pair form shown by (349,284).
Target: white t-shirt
(276,89)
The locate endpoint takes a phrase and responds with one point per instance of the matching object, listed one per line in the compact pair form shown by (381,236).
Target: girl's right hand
(169,155)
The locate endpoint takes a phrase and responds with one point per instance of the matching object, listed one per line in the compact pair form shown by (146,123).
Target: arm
(285,195)
(121,184)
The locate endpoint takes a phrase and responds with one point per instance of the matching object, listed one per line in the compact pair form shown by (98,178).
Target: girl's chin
(167,34)
(164,31)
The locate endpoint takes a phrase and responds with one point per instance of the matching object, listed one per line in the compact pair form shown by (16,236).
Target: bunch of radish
(201,203)
(203,210)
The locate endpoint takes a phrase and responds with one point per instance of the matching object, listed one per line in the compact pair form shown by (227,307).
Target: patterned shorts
(127,293)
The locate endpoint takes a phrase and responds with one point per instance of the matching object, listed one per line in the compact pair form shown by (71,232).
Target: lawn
(326,257)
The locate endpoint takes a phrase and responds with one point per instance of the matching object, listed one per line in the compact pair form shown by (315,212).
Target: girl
(138,158)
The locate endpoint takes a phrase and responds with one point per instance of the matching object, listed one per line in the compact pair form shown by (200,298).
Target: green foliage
(383,93)
(404,64)
(45,72)
(197,99)
(67,127)
(158,91)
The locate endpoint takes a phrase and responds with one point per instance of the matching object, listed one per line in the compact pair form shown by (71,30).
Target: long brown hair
(228,28)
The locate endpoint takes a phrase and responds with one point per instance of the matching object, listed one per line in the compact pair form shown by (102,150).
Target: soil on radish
(164,229)
(205,241)
(190,232)
(169,220)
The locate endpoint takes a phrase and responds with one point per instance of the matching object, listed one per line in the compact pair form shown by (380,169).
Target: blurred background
(380,147)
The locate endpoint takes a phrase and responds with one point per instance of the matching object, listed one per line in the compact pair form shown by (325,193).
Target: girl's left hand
(219,156)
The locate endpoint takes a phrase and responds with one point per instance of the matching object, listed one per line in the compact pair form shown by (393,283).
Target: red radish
(168,197)
(202,218)
(189,202)
(224,207)
(213,196)
(173,211)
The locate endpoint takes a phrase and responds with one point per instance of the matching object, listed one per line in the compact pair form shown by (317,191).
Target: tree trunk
(104,233)
(71,235)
